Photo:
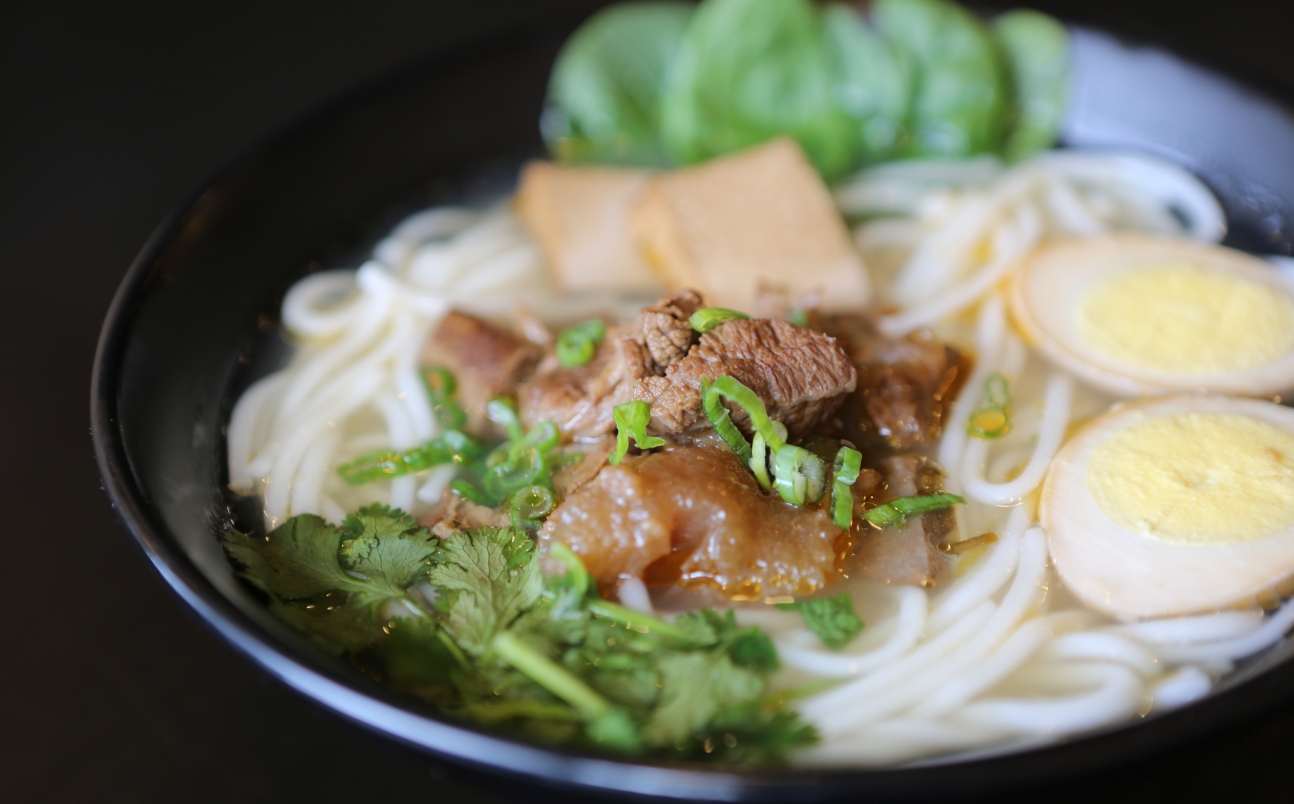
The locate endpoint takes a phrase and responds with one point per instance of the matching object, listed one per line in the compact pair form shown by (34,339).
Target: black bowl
(192,321)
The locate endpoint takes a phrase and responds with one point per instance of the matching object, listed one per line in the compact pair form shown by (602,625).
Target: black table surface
(110,115)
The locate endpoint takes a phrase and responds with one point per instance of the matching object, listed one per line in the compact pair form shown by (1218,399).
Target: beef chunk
(585,461)
(455,513)
(579,400)
(908,555)
(485,360)
(695,518)
(903,383)
(802,376)
(667,332)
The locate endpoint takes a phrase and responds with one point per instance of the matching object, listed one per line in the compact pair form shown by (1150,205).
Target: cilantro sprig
(470,624)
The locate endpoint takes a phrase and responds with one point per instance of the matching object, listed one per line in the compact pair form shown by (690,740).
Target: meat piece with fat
(801,375)
(696,518)
(908,554)
(904,384)
(486,361)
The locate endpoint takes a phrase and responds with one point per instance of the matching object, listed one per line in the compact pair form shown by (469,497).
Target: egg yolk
(1186,320)
(1196,479)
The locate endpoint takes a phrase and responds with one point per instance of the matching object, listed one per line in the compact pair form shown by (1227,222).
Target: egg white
(1054,280)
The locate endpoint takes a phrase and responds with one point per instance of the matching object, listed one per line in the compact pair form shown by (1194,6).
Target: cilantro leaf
(833,619)
(748,647)
(388,548)
(295,561)
(695,686)
(345,628)
(751,734)
(486,577)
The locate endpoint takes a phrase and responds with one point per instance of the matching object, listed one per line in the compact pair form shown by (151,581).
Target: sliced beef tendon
(908,554)
(904,384)
(695,517)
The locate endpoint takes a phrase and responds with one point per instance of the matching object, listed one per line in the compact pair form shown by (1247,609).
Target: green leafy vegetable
(605,90)
(577,343)
(994,419)
(873,83)
(707,318)
(843,476)
(632,419)
(748,71)
(486,578)
(961,101)
(504,648)
(897,511)
(833,619)
(1037,55)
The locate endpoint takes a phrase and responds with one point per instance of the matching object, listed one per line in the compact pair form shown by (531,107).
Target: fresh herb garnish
(994,419)
(896,512)
(843,476)
(632,419)
(833,619)
(452,446)
(505,648)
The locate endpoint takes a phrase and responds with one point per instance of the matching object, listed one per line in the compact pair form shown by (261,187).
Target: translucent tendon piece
(632,419)
(707,318)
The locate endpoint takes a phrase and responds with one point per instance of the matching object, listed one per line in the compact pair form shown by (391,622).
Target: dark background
(110,115)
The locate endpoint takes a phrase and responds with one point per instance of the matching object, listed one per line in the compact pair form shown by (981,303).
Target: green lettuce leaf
(961,102)
(748,71)
(873,83)
(1037,54)
(605,90)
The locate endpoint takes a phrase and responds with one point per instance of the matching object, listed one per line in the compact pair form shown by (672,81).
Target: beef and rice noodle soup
(723,460)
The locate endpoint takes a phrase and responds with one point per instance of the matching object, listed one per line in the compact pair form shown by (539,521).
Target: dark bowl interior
(195,316)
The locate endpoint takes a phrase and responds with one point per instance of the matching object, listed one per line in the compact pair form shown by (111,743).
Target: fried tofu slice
(580,216)
(761,217)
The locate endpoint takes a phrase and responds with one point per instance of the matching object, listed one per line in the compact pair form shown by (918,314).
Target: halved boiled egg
(1174,505)
(1142,315)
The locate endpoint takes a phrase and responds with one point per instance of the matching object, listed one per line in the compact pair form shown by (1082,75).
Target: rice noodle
(990,661)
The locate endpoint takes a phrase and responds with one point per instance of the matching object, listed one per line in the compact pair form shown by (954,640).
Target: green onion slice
(800,475)
(441,387)
(759,461)
(503,412)
(452,446)
(632,419)
(897,511)
(994,419)
(731,389)
(712,404)
(577,343)
(529,505)
(707,318)
(844,473)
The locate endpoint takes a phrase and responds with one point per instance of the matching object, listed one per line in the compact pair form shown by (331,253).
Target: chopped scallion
(503,412)
(994,419)
(632,419)
(441,386)
(452,446)
(759,461)
(577,343)
(799,475)
(528,505)
(844,473)
(712,404)
(707,318)
(897,511)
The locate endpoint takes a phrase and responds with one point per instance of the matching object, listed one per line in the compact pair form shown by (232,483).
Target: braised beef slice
(908,555)
(579,399)
(581,463)
(666,329)
(486,361)
(455,513)
(903,383)
(695,518)
(801,374)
